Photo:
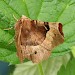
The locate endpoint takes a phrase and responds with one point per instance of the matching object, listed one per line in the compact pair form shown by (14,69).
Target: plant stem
(40,69)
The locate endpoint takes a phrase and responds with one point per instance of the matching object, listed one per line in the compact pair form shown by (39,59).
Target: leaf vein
(12,8)
(40,8)
(63,10)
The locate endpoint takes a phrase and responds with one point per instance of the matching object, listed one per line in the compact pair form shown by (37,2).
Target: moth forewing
(18,28)
(35,40)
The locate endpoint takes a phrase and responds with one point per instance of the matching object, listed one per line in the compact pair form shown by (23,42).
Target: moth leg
(10,42)
(15,17)
(20,55)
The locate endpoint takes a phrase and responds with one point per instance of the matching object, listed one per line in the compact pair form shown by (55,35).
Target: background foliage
(45,10)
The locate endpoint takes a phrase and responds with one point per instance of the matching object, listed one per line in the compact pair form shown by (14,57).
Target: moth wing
(54,37)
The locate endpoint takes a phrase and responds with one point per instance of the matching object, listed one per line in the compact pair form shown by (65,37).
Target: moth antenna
(8,28)
(11,41)
(15,17)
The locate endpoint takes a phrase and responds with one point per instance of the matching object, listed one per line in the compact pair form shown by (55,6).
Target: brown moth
(35,39)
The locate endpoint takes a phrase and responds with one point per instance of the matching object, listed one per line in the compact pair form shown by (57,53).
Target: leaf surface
(50,66)
(69,69)
(45,10)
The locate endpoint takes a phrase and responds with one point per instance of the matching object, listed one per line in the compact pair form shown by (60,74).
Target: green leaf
(73,50)
(48,67)
(45,10)
(69,69)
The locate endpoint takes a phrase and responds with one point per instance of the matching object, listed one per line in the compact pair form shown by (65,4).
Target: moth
(35,40)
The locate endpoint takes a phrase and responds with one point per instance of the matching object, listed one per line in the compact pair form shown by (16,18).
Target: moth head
(25,23)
